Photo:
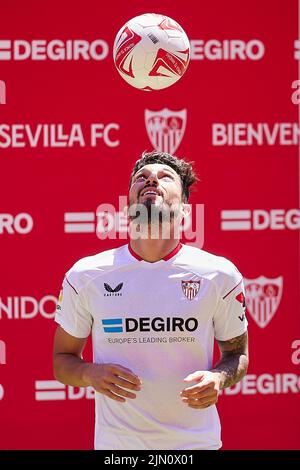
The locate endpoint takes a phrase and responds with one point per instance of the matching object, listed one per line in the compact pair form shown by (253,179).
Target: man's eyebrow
(137,173)
(168,168)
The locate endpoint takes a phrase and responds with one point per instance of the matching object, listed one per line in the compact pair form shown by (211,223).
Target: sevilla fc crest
(165,128)
(263,297)
(190,288)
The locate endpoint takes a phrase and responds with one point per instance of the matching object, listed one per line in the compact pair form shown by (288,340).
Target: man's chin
(151,212)
(151,200)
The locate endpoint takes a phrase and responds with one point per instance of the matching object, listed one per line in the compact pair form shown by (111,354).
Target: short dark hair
(182,167)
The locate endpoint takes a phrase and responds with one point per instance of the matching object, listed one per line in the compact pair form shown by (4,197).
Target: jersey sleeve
(230,319)
(72,313)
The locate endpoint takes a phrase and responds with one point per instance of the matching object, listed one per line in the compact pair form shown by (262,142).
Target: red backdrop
(241,128)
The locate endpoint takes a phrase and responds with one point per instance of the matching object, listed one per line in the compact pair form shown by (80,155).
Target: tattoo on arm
(233,363)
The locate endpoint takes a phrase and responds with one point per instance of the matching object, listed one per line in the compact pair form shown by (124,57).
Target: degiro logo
(55,49)
(128,325)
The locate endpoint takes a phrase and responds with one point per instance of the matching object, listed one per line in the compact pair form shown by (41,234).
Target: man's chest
(151,293)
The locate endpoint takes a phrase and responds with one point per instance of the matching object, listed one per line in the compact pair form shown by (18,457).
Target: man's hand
(112,380)
(231,368)
(205,392)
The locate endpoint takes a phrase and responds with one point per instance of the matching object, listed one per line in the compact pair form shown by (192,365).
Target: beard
(151,212)
(154,219)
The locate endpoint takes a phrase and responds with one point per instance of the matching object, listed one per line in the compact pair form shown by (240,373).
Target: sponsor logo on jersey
(58,306)
(242,300)
(111,291)
(157,324)
(165,128)
(52,390)
(190,288)
(263,297)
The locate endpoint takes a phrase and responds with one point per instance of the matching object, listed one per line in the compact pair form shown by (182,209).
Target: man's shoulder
(89,267)
(210,265)
(199,257)
(99,260)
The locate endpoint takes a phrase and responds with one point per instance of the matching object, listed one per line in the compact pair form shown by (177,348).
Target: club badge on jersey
(190,288)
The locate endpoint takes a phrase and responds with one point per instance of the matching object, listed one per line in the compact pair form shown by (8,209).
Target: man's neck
(153,250)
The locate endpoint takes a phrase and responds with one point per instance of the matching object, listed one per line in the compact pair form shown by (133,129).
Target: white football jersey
(159,320)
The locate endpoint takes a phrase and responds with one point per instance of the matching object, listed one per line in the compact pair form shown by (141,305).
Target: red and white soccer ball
(151,52)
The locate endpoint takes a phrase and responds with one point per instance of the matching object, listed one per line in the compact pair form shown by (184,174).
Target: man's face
(156,184)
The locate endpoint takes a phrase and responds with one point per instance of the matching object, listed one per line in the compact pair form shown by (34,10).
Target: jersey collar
(165,258)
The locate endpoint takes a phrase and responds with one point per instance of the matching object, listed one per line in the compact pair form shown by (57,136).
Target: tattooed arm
(234,360)
(231,368)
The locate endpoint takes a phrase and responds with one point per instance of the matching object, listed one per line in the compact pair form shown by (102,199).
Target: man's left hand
(205,392)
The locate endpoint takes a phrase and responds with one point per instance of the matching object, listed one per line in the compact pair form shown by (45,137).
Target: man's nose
(152,179)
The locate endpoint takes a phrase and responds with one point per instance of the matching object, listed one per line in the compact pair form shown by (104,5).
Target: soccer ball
(151,52)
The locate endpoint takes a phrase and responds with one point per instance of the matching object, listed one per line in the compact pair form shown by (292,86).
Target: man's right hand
(112,380)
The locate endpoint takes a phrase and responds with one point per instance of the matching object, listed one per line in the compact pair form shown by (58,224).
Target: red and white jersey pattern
(159,320)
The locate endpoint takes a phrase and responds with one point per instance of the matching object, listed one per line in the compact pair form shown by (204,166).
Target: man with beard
(154,307)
